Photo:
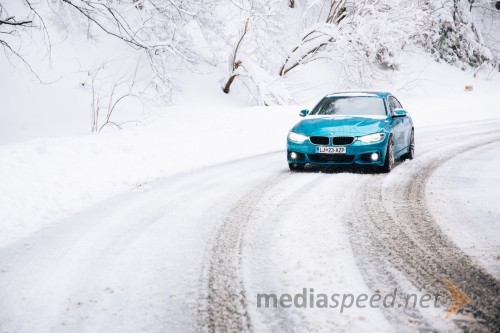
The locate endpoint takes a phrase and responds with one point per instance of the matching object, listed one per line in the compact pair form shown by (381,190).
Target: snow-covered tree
(156,29)
(454,34)
(255,50)
(256,43)
(363,36)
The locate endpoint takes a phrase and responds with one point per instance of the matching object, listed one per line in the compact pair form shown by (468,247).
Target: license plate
(330,150)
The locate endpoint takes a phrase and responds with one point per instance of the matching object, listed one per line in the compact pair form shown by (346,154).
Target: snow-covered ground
(463,195)
(143,259)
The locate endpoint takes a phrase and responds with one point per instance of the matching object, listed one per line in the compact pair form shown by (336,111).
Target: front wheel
(389,157)
(296,166)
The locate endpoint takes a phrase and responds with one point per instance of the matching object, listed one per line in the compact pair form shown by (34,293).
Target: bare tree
(156,29)
(107,96)
(13,30)
(235,62)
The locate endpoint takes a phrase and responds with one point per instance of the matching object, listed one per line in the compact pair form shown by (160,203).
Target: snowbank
(43,179)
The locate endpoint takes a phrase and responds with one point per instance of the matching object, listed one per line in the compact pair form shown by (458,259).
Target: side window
(392,104)
(398,105)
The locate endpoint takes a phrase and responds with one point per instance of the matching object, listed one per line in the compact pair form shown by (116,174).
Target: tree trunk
(228,83)
(236,64)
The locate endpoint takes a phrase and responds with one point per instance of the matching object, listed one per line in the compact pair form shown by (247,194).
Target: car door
(397,127)
(406,125)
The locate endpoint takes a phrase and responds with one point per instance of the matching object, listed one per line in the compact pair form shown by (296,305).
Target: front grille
(335,158)
(342,140)
(320,140)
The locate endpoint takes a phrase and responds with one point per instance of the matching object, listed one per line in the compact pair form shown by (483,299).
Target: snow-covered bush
(453,34)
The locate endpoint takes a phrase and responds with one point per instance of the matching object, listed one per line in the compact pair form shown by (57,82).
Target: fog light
(374,156)
(293,156)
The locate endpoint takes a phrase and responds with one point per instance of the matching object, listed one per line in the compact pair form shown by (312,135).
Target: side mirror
(304,113)
(399,113)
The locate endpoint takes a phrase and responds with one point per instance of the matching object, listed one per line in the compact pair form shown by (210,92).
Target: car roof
(351,93)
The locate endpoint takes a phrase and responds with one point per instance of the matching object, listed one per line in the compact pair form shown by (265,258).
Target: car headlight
(296,137)
(371,138)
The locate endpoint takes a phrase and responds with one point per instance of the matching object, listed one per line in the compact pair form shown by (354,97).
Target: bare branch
(20,57)
(11,21)
(86,12)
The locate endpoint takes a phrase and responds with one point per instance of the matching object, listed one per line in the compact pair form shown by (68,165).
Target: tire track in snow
(407,239)
(225,309)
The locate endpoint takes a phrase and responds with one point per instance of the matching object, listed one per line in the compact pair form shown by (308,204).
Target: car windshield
(350,106)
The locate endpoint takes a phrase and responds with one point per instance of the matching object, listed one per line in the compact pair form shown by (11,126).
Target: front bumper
(356,153)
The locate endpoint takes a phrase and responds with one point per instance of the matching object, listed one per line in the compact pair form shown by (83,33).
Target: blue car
(363,128)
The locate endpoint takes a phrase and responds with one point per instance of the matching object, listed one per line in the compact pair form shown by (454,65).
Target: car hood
(341,125)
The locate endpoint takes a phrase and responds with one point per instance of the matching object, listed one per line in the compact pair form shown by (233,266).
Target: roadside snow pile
(43,179)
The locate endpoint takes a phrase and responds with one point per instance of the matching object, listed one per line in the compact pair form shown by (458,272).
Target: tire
(389,157)
(296,166)
(411,147)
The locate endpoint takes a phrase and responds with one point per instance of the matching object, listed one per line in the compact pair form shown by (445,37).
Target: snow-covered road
(190,252)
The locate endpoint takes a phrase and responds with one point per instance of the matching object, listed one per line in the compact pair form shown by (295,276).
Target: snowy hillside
(103,65)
